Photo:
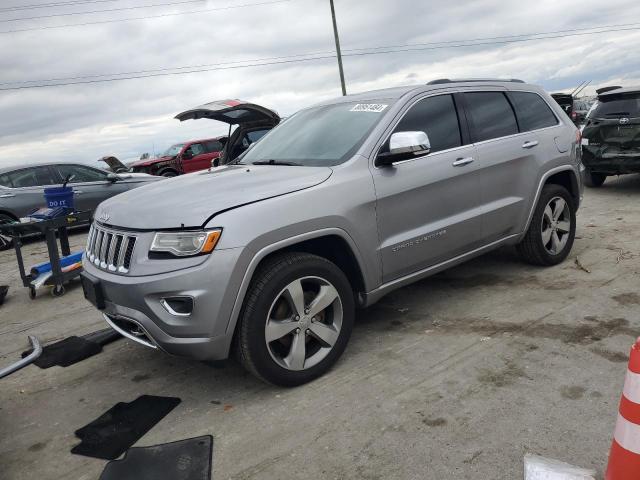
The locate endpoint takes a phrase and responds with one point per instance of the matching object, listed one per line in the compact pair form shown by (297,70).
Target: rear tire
(552,231)
(592,179)
(296,319)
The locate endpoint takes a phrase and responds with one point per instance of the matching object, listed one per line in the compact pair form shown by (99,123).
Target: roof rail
(607,89)
(458,80)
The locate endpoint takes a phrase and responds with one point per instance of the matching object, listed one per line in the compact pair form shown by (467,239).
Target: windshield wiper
(276,162)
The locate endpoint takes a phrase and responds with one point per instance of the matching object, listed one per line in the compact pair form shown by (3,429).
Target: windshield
(616,106)
(173,150)
(321,136)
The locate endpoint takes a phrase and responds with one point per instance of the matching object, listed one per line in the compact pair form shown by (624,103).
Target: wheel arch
(567,179)
(333,244)
(9,214)
(162,171)
(565,176)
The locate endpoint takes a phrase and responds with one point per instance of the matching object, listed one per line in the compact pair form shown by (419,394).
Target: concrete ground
(455,377)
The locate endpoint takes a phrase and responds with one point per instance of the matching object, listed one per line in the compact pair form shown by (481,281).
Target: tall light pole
(337,38)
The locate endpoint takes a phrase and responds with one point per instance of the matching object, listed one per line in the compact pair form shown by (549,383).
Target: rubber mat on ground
(189,459)
(66,352)
(74,349)
(111,434)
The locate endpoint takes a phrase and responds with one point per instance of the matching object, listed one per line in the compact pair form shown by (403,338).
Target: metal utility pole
(337,38)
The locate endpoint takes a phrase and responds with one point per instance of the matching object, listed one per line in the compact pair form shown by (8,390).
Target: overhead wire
(106,10)
(298,58)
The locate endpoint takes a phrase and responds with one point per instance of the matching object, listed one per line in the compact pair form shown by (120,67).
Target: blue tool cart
(63,266)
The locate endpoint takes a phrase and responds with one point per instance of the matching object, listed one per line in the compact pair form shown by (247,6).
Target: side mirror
(404,146)
(112,177)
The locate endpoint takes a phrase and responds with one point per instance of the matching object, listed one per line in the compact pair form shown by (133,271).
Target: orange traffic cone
(624,459)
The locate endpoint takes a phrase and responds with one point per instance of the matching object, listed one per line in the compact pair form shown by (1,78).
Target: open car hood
(233,112)
(114,164)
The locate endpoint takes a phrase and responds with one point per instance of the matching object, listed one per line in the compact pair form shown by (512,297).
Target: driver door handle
(530,144)
(460,162)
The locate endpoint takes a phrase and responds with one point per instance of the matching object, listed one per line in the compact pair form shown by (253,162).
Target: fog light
(178,306)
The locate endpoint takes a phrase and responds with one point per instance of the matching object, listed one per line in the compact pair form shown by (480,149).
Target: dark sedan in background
(22,188)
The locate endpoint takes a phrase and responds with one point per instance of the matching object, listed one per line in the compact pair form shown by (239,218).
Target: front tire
(592,179)
(296,320)
(552,231)
(169,174)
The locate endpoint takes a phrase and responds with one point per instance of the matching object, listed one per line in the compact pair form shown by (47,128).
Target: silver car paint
(19,202)
(204,194)
(401,223)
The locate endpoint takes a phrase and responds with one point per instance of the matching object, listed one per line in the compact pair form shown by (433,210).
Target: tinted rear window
(533,112)
(491,114)
(613,106)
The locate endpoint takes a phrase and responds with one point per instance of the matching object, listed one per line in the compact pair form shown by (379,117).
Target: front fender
(252,259)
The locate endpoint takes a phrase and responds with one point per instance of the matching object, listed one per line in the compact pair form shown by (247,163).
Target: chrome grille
(109,249)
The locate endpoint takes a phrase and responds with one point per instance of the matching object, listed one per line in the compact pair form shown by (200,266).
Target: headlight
(185,244)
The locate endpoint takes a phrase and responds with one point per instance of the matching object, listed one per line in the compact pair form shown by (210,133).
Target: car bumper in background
(612,162)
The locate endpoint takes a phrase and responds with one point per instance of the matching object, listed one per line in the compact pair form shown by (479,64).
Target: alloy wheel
(304,323)
(556,225)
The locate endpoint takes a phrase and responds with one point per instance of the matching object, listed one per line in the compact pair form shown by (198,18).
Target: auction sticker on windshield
(369,107)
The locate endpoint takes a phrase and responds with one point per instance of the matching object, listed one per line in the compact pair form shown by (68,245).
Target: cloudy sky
(85,121)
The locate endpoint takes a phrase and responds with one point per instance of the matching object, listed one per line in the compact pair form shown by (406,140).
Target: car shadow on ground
(394,313)
(616,184)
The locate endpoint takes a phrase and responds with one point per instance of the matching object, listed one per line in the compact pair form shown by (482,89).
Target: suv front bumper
(133,306)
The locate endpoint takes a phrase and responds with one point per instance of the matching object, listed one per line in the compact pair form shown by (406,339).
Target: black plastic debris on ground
(74,349)
(111,434)
(3,293)
(66,352)
(189,459)
(103,337)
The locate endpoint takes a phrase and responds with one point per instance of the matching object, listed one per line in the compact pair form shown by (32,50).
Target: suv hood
(233,112)
(191,200)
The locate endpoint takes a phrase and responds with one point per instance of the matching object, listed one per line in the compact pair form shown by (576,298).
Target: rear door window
(213,146)
(31,177)
(437,117)
(491,115)
(533,112)
(196,149)
(81,174)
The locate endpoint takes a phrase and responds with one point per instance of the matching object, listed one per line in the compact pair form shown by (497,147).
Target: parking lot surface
(454,377)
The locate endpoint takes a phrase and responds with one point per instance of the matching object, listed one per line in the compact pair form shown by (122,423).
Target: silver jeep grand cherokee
(269,256)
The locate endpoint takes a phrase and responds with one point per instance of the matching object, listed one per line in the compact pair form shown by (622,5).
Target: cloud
(127,118)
